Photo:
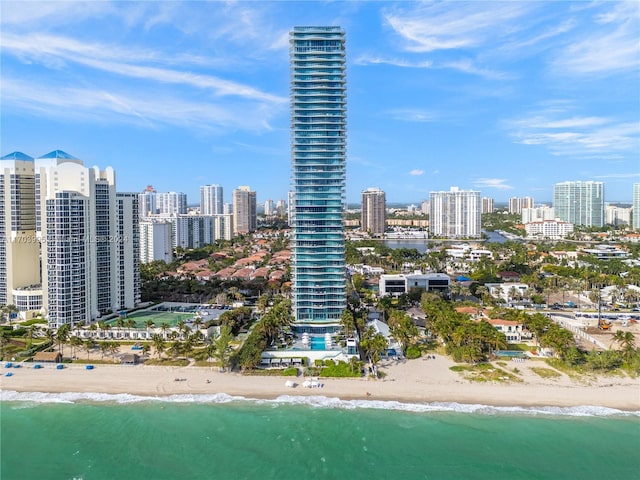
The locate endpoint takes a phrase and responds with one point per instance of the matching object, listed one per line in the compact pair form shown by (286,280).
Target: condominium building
(19,247)
(455,214)
(374,211)
(196,231)
(171,203)
(580,203)
(90,240)
(516,204)
(147,202)
(318,130)
(551,229)
(245,217)
(269,207)
(636,206)
(211,200)
(617,216)
(487,205)
(537,214)
(156,240)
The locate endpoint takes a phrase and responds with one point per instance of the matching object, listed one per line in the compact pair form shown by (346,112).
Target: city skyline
(503,98)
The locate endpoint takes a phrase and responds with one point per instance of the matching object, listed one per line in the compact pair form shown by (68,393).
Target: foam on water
(26,399)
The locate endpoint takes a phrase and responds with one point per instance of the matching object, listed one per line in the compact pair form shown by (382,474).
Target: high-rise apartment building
(269,207)
(580,203)
(516,204)
(537,214)
(171,203)
(147,203)
(245,217)
(318,129)
(211,200)
(78,240)
(20,283)
(617,216)
(374,211)
(487,205)
(455,214)
(156,241)
(635,207)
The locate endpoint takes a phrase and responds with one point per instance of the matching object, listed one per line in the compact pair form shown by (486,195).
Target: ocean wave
(32,399)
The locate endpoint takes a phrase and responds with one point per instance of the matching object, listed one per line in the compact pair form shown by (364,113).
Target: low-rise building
(401,283)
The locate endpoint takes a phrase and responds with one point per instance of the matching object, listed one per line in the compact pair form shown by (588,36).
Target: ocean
(99,436)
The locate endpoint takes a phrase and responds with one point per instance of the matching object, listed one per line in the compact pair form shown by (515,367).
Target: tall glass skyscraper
(318,129)
(580,203)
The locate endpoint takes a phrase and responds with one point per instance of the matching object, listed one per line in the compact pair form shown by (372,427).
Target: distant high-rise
(580,203)
(487,205)
(455,214)
(211,200)
(245,218)
(374,211)
(318,131)
(269,207)
(171,203)
(636,206)
(156,241)
(516,204)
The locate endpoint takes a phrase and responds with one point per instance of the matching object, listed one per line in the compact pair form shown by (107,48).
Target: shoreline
(416,382)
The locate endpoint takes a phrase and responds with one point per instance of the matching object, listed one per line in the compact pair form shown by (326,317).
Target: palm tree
(62,335)
(149,324)
(158,344)
(89,344)
(221,348)
(75,343)
(164,327)
(627,343)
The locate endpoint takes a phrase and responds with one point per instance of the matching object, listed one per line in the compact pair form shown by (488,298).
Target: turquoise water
(317,343)
(125,437)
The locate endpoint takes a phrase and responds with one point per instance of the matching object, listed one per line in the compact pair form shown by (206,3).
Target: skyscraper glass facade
(318,129)
(579,203)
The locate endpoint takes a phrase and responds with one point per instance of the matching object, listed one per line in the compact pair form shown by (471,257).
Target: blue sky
(506,98)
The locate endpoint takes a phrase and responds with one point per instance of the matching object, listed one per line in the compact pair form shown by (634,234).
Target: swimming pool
(509,353)
(317,343)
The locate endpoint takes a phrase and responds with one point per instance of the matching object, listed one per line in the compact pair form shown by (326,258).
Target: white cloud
(497,183)
(619,175)
(150,109)
(396,62)
(609,46)
(411,115)
(126,62)
(575,135)
(416,172)
(453,25)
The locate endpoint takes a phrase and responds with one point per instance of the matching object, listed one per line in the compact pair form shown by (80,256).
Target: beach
(406,381)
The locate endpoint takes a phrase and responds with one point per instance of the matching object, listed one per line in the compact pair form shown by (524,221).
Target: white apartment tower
(20,283)
(70,246)
(580,203)
(487,205)
(245,217)
(156,241)
(211,200)
(455,214)
(171,203)
(636,206)
(374,211)
(516,204)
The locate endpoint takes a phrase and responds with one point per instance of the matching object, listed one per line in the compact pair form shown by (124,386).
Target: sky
(505,98)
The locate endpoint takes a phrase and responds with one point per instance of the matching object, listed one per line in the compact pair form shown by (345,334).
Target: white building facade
(580,203)
(455,214)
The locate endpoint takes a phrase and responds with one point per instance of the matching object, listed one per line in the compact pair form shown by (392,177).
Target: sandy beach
(415,381)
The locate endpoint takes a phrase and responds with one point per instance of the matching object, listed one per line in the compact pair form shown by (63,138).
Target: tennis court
(157,317)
